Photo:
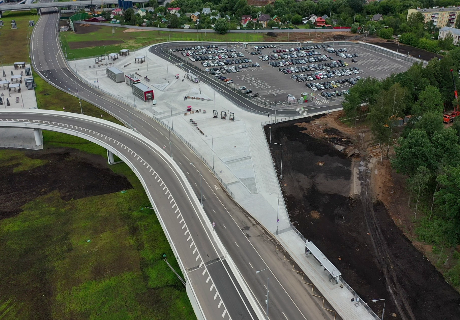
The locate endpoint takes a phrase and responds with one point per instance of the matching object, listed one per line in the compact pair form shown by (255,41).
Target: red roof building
(320,22)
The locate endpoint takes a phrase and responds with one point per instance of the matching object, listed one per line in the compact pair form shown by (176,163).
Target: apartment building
(441,17)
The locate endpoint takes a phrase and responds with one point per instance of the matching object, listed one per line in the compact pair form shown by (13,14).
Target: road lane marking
(220,304)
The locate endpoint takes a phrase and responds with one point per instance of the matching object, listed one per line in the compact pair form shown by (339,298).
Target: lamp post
(377,300)
(266,301)
(281,162)
(270,127)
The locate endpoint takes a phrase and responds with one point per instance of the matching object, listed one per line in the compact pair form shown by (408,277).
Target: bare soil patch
(82,28)
(317,183)
(88,44)
(134,30)
(73,173)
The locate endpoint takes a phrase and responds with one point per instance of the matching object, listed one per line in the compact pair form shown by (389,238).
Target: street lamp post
(270,127)
(281,162)
(377,300)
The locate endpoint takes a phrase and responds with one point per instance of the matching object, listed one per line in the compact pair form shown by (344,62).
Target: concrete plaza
(236,151)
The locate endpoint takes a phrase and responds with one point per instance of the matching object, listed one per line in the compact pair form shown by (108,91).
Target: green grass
(19,160)
(18,44)
(136,40)
(50,98)
(93,258)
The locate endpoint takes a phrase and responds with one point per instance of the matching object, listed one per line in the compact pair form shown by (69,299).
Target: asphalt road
(106,24)
(250,246)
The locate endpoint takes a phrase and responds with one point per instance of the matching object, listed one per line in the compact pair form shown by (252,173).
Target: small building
(206,11)
(117,12)
(124,52)
(263,19)
(115,74)
(445,31)
(19,65)
(195,16)
(142,92)
(140,59)
(320,22)
(377,17)
(173,10)
(113,56)
(131,79)
(245,19)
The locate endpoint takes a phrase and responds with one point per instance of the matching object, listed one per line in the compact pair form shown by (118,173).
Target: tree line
(425,150)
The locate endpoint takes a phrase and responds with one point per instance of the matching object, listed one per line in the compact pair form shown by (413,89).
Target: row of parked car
(331,84)
(319,74)
(336,93)
(225,63)
(292,68)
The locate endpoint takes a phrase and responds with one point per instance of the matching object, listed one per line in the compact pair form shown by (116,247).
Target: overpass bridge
(42,5)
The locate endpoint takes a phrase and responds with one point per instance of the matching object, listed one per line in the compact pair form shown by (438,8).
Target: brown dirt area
(134,30)
(73,173)
(83,28)
(88,44)
(325,202)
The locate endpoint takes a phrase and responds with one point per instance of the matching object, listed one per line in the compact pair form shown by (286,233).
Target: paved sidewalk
(25,99)
(236,150)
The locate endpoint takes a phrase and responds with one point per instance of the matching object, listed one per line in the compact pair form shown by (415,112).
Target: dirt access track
(325,193)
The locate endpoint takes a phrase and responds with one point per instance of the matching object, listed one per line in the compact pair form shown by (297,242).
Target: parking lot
(288,74)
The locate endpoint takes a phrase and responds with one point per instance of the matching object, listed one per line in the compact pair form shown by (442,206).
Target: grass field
(136,40)
(17,39)
(93,258)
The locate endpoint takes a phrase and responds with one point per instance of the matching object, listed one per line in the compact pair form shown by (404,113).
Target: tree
(129,16)
(428,45)
(174,22)
(221,26)
(430,122)
(457,23)
(430,100)
(296,19)
(447,43)
(413,152)
(448,203)
(409,38)
(419,183)
(386,33)
(384,114)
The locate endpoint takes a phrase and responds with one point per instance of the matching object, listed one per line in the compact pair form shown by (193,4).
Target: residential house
(454,32)
(377,17)
(142,12)
(245,19)
(195,16)
(310,19)
(117,12)
(320,22)
(173,10)
(263,19)
(215,16)
(206,11)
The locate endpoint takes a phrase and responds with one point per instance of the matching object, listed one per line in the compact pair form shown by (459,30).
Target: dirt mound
(316,183)
(82,28)
(74,174)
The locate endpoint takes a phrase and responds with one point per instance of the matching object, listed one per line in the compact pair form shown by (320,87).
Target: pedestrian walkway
(237,151)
